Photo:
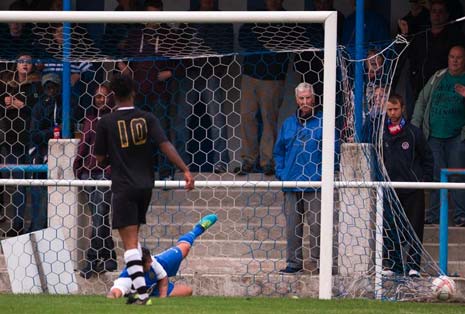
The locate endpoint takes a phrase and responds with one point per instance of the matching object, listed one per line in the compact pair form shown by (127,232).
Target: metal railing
(444,218)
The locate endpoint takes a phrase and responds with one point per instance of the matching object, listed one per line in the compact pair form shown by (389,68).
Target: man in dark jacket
(46,116)
(428,51)
(407,157)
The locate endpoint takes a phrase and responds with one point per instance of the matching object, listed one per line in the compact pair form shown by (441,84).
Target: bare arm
(74,78)
(124,68)
(403,26)
(163,287)
(460,89)
(114,293)
(100,158)
(164,75)
(168,149)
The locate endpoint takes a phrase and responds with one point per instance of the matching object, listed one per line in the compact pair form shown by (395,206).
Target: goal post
(329,22)
(327,175)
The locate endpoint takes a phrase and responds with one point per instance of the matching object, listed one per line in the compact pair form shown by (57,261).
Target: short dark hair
(22,54)
(19,5)
(122,86)
(440,2)
(146,256)
(153,3)
(103,85)
(396,98)
(457,46)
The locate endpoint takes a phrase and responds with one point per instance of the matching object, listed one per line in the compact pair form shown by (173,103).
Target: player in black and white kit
(126,139)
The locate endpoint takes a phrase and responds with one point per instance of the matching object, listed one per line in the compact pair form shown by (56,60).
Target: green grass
(98,304)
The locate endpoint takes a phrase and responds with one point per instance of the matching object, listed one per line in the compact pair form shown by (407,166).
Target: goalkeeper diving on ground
(158,268)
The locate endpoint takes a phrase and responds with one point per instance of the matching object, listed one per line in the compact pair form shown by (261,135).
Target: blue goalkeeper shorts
(156,293)
(170,260)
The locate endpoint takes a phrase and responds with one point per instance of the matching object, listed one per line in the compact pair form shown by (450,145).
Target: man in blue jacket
(297,155)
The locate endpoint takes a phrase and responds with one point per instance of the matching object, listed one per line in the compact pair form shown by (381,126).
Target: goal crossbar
(165,16)
(243,184)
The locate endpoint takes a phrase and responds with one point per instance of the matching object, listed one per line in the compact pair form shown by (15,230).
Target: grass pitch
(73,304)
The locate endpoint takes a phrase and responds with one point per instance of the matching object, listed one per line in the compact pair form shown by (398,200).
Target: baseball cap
(51,77)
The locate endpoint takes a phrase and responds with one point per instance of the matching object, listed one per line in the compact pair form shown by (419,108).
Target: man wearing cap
(46,114)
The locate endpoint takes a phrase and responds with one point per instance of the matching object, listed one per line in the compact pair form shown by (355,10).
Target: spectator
(53,45)
(82,73)
(204,76)
(428,50)
(17,37)
(46,115)
(376,29)
(262,91)
(417,19)
(126,5)
(19,90)
(328,5)
(152,75)
(375,77)
(297,154)
(407,157)
(101,255)
(440,112)
(113,40)
(44,5)
(374,116)
(455,8)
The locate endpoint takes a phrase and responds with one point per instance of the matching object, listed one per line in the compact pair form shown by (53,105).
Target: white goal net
(221,83)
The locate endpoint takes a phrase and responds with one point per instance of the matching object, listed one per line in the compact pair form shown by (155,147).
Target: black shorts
(130,207)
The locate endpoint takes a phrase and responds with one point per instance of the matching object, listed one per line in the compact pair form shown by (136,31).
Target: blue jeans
(99,200)
(447,153)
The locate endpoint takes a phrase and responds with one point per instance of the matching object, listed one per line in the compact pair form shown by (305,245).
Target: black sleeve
(156,132)
(426,156)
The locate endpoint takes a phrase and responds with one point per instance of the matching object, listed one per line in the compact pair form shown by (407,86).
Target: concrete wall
(64,211)
(356,216)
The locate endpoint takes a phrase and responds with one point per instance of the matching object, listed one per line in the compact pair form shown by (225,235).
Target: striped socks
(133,260)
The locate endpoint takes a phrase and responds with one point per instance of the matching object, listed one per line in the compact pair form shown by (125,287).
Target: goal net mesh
(221,92)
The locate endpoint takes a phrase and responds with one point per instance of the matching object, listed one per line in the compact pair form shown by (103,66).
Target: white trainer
(414,273)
